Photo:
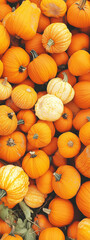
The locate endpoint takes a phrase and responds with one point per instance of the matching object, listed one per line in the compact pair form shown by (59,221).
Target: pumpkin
(13,184)
(72,230)
(71,79)
(40,223)
(35,163)
(73,107)
(55,19)
(1,68)
(4,227)
(40,94)
(82,93)
(60,212)
(79,63)
(26,119)
(43,23)
(15,62)
(44,182)
(61,59)
(51,147)
(2,1)
(84,134)
(53,8)
(16,26)
(8,120)
(39,135)
(69,144)
(11,104)
(34,198)
(49,108)
(4,10)
(29,147)
(42,68)
(4,39)
(64,123)
(81,118)
(83,230)
(78,14)
(12,146)
(83,199)
(52,233)
(5,89)
(82,162)
(85,77)
(24,96)
(61,89)
(66,181)
(58,159)
(79,41)
(51,126)
(69,2)
(7,236)
(56,38)
(1,164)
(28,82)
(37,2)
(35,43)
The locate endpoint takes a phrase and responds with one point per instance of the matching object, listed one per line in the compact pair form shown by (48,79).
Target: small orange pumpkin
(82,93)
(52,233)
(26,119)
(7,236)
(51,147)
(84,134)
(4,227)
(71,79)
(82,162)
(61,59)
(11,104)
(8,120)
(43,23)
(72,230)
(4,10)
(1,68)
(83,230)
(85,77)
(4,39)
(35,43)
(78,42)
(81,118)
(44,182)
(40,223)
(64,123)
(34,198)
(83,199)
(58,159)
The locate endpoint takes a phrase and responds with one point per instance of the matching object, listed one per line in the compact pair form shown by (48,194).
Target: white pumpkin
(61,89)
(49,108)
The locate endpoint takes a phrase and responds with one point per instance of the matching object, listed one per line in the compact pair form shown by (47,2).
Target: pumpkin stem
(62,67)
(65,115)
(50,42)
(10,115)
(57,176)
(28,90)
(46,210)
(10,142)
(12,231)
(5,81)
(13,9)
(35,136)
(34,54)
(33,155)
(81,4)
(88,118)
(65,79)
(21,121)
(22,69)
(2,193)
(70,143)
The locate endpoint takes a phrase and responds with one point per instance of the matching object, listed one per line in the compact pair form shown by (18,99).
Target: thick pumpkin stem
(13,9)
(57,176)
(22,69)
(5,81)
(88,118)
(21,121)
(46,210)
(33,155)
(10,115)
(65,79)
(34,54)
(70,143)
(12,231)
(10,142)
(81,4)
(2,193)
(65,115)
(50,42)
(35,136)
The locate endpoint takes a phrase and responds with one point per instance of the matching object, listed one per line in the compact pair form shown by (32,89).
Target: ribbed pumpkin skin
(72,230)
(4,10)
(8,120)
(1,68)
(44,183)
(85,77)
(29,119)
(43,23)
(5,89)
(51,148)
(4,227)
(15,182)
(52,234)
(13,59)
(13,146)
(4,39)
(50,124)
(11,104)
(82,162)
(83,199)
(9,237)
(84,134)
(35,163)
(16,26)
(62,212)
(34,198)
(83,231)
(61,36)
(35,43)
(53,8)
(79,41)
(81,118)
(82,93)
(64,123)
(58,159)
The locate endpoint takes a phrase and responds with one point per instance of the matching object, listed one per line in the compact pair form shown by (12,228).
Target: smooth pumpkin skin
(52,234)
(64,123)
(29,119)
(1,68)
(43,23)
(9,237)
(83,231)
(35,43)
(11,104)
(79,41)
(84,134)
(44,183)
(58,159)
(81,118)
(82,162)
(51,148)
(43,223)
(82,93)
(83,199)
(4,10)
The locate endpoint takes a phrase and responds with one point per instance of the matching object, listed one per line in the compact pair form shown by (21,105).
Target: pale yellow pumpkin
(5,89)
(61,89)
(49,108)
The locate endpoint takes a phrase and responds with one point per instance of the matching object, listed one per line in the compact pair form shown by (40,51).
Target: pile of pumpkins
(45,119)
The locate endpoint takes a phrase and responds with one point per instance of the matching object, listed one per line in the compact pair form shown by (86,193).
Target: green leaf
(21,227)
(30,235)
(26,210)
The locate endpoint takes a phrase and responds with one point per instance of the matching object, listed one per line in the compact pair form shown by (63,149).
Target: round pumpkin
(34,198)
(83,199)
(5,89)
(72,230)
(40,223)
(53,8)
(7,236)
(82,162)
(8,120)
(4,39)
(83,230)
(44,182)
(82,93)
(52,233)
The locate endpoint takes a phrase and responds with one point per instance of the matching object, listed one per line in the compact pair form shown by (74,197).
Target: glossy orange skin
(82,162)
(64,123)
(1,68)
(51,126)
(72,230)
(43,223)
(34,198)
(83,231)
(71,78)
(82,92)
(4,37)
(73,107)
(28,82)
(85,77)
(52,233)
(81,118)
(83,199)
(60,58)
(29,119)
(44,183)
(84,134)
(4,10)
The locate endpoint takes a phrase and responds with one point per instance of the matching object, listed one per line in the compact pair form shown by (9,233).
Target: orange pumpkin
(71,79)
(35,163)
(64,123)
(85,77)
(43,23)
(61,59)
(11,237)
(51,126)
(52,233)
(72,230)
(83,230)
(34,198)
(53,8)
(40,94)
(44,182)
(84,134)
(4,10)
(8,120)
(58,159)
(51,147)
(40,223)
(5,89)
(82,93)
(26,119)
(11,104)
(35,43)
(1,68)
(28,82)
(83,199)
(82,162)
(13,146)
(79,41)
(73,107)
(4,227)
(81,118)
(4,39)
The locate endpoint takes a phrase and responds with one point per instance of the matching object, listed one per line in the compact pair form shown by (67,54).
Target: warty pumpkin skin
(83,231)
(17,27)
(53,8)
(60,212)
(42,68)
(42,223)
(1,68)
(64,123)
(82,162)
(13,184)
(52,233)
(8,120)
(35,163)
(15,62)
(49,108)
(56,38)
(83,199)
(10,237)
(34,198)
(81,118)
(27,118)
(12,146)
(82,94)
(84,134)
(4,39)
(5,89)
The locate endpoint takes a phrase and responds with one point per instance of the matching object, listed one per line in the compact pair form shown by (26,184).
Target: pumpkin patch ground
(45,120)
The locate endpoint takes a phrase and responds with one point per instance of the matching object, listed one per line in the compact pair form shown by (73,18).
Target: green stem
(65,115)
(35,136)
(82,4)
(46,210)
(57,176)
(12,231)
(2,193)
(50,42)
(22,69)
(65,79)
(10,115)
(34,54)
(5,81)
(33,155)
(88,118)
(21,121)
